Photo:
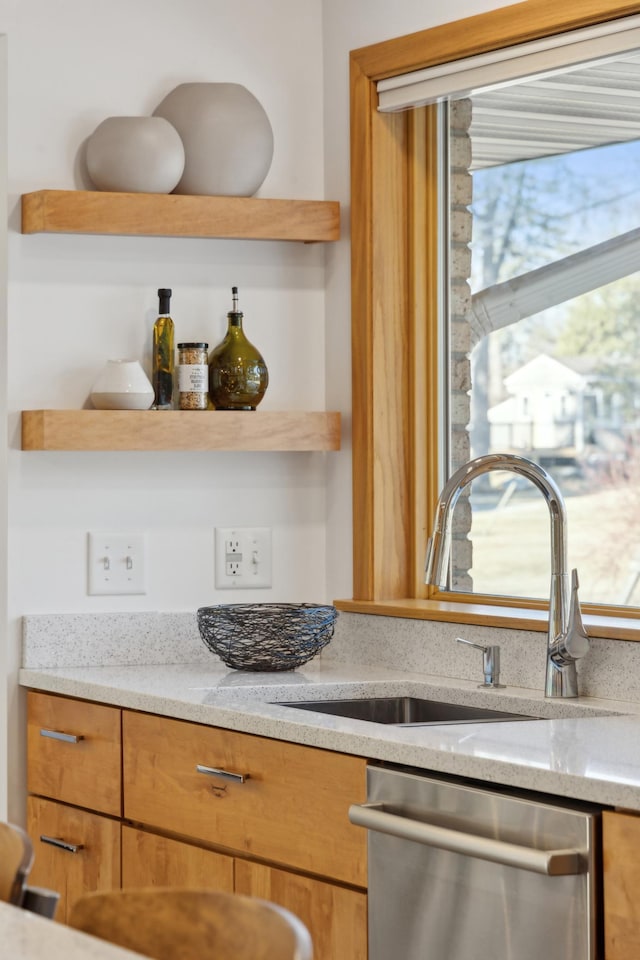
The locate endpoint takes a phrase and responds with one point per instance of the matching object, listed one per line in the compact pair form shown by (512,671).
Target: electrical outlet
(243,557)
(232,557)
(116,564)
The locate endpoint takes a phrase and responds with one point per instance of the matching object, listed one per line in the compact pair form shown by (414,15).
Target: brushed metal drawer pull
(223,774)
(66,737)
(62,844)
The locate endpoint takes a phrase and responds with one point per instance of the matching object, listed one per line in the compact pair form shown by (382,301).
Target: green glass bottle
(163,362)
(238,376)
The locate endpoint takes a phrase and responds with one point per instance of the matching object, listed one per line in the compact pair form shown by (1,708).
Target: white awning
(506,303)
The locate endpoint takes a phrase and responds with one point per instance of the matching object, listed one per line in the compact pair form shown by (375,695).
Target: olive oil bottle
(163,363)
(238,376)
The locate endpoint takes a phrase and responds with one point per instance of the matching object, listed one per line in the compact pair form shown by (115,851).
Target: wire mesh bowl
(266,636)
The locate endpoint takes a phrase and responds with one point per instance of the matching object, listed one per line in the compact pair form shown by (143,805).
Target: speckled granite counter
(590,750)
(26,936)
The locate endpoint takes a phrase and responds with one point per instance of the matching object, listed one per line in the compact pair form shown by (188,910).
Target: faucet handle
(470,643)
(490,663)
(574,644)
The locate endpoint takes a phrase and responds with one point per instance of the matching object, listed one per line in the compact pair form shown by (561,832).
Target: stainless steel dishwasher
(460,872)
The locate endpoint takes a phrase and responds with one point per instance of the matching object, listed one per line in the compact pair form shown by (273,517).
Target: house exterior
(557,408)
(544,410)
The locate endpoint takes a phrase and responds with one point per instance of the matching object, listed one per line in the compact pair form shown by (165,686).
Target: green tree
(604,326)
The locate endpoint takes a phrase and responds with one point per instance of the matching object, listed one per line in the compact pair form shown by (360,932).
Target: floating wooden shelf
(171,215)
(179,430)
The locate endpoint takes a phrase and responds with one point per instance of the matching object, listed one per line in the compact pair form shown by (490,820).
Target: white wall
(75,301)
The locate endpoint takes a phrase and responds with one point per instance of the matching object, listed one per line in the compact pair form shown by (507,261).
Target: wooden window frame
(394,288)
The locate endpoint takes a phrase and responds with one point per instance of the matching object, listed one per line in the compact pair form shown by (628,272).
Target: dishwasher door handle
(553,863)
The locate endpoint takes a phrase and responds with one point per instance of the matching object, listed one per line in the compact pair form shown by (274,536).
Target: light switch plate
(242,558)
(116,564)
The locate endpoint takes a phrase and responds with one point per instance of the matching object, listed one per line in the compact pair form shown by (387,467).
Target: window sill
(514,618)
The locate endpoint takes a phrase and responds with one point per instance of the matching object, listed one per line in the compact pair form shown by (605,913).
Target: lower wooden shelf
(179,430)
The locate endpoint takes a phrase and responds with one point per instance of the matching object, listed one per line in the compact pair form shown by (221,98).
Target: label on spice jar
(193,377)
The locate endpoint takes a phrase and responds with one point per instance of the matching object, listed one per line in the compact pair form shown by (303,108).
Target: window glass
(545,190)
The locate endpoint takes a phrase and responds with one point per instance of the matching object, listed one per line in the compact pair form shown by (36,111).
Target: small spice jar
(193,376)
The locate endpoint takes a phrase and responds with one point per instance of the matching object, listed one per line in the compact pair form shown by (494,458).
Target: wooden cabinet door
(84,856)
(74,752)
(149,860)
(335,916)
(621,849)
(279,801)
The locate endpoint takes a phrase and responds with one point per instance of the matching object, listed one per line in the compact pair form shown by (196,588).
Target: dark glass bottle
(238,376)
(163,361)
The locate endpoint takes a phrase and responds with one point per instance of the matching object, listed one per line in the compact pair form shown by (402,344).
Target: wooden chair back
(16,858)
(177,924)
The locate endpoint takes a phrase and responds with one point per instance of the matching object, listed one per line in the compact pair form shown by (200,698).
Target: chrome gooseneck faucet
(567,638)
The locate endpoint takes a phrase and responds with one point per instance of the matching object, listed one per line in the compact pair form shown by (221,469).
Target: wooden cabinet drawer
(76,852)
(335,916)
(291,805)
(621,845)
(149,860)
(74,752)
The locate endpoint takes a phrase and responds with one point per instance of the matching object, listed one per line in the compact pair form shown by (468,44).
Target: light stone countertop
(590,752)
(27,936)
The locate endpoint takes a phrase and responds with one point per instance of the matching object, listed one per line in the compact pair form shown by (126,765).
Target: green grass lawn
(512,547)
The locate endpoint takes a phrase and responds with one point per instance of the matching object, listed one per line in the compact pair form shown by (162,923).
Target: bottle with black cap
(238,375)
(163,365)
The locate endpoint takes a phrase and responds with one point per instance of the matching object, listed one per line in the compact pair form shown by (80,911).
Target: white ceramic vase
(122,385)
(135,155)
(227,137)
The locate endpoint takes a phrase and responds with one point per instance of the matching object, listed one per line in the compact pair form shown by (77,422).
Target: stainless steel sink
(405,710)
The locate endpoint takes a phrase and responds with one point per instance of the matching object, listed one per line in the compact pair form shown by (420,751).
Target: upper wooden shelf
(172,215)
(179,430)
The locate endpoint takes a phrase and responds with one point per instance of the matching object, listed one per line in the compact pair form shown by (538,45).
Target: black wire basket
(266,636)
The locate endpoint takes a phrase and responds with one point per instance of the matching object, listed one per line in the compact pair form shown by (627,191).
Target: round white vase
(135,155)
(227,137)
(122,385)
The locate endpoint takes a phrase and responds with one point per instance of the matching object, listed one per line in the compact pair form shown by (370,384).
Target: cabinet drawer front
(74,752)
(149,860)
(279,801)
(620,843)
(335,916)
(76,852)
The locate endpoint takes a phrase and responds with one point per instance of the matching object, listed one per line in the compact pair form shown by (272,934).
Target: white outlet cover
(116,564)
(242,558)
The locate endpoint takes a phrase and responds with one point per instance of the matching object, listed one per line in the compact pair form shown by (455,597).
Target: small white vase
(135,155)
(122,385)
(227,137)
